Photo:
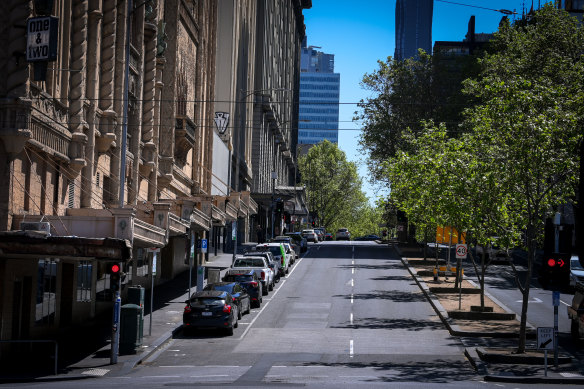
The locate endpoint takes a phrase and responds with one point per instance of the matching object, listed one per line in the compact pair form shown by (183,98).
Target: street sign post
(545,341)
(203,246)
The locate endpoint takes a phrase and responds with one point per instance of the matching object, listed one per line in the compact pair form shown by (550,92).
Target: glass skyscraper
(413,27)
(319,97)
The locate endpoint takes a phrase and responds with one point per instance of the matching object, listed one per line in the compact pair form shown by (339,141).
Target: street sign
(42,35)
(556,298)
(203,245)
(545,338)
(461,250)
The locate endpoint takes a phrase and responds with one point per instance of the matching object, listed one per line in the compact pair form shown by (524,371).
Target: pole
(116,329)
(191,255)
(556,298)
(152,274)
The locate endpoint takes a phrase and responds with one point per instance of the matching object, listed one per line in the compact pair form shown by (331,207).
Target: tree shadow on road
(430,371)
(388,324)
(399,296)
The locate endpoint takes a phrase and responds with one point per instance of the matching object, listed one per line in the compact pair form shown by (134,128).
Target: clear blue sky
(359,33)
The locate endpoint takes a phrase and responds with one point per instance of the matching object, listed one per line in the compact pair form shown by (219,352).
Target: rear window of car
(201,302)
(238,278)
(224,288)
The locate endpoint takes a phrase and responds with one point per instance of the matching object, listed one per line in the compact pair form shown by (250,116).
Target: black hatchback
(237,292)
(210,309)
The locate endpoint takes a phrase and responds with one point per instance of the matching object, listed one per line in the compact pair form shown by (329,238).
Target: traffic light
(556,270)
(115,273)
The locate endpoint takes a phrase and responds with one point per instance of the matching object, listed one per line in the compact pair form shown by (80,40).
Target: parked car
(237,291)
(248,279)
(493,252)
(290,253)
(291,242)
(328,236)
(279,253)
(319,234)
(274,264)
(310,235)
(576,312)
(211,309)
(343,234)
(300,240)
(368,237)
(576,271)
(258,264)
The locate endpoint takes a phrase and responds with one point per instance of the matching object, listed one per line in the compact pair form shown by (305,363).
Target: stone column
(77,123)
(149,93)
(109,117)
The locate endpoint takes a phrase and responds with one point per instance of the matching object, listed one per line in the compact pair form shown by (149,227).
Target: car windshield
(275,250)
(203,301)
(243,262)
(224,288)
(575,264)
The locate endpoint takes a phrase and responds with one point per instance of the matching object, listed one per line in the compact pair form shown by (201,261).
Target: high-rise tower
(319,97)
(413,27)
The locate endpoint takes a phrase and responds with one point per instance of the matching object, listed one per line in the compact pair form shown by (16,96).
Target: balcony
(184,139)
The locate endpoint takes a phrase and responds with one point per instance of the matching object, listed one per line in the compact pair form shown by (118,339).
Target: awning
(32,244)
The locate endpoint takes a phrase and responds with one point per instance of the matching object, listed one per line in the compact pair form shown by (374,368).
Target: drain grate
(96,372)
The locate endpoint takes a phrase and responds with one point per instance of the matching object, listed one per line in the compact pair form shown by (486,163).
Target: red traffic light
(552,262)
(115,268)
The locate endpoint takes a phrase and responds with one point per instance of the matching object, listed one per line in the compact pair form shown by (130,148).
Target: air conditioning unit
(36,226)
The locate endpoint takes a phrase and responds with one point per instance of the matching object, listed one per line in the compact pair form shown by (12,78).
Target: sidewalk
(159,328)
(484,349)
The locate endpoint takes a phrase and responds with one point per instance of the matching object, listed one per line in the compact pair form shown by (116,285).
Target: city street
(347,315)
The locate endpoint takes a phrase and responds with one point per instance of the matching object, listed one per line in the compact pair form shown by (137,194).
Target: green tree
(405,93)
(332,184)
(531,89)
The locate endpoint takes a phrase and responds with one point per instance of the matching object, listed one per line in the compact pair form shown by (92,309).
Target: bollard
(435,274)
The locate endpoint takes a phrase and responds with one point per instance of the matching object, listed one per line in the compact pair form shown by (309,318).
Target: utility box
(131,328)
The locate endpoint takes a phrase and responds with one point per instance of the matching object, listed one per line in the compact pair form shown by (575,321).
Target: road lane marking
(351,298)
(352,282)
(353,271)
(535,300)
(351,348)
(266,304)
(351,318)
(566,304)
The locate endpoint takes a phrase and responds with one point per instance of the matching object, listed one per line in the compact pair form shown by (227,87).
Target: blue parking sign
(203,245)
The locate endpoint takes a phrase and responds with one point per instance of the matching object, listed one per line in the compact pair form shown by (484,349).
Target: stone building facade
(67,176)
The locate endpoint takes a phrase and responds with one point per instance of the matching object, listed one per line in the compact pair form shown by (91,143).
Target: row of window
(320,118)
(324,126)
(323,77)
(318,95)
(305,87)
(319,110)
(317,134)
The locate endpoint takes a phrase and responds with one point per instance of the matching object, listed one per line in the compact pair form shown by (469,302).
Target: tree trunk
(525,289)
(482,279)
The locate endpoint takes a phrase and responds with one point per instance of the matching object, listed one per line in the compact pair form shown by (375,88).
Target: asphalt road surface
(348,315)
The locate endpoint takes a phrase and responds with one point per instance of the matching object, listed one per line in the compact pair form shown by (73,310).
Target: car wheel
(287,271)
(272,286)
(239,313)
(265,290)
(229,331)
(236,324)
(248,308)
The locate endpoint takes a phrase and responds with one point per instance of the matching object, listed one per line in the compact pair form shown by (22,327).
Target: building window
(84,269)
(71,192)
(46,302)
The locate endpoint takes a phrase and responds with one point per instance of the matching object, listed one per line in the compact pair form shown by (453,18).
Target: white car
(576,271)
(343,234)
(310,235)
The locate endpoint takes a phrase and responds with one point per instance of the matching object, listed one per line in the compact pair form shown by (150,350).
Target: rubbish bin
(136,296)
(130,324)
